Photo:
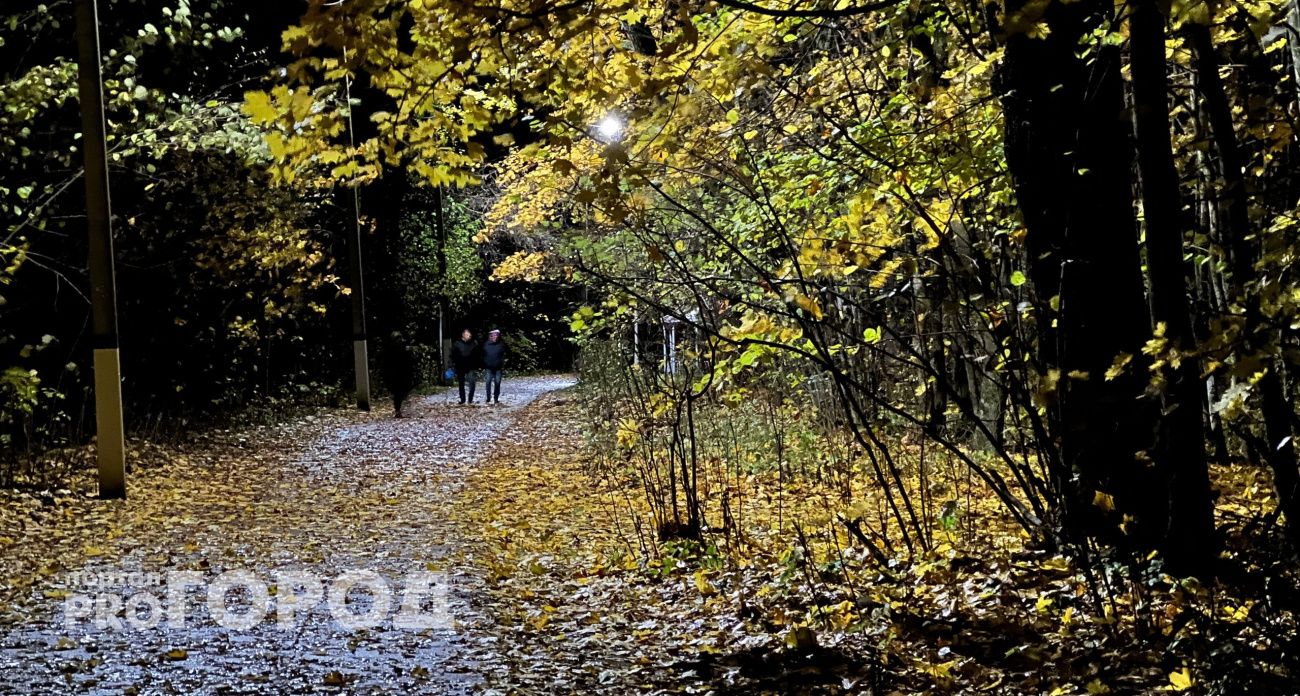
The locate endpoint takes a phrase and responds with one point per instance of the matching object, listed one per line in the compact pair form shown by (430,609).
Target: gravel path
(333,493)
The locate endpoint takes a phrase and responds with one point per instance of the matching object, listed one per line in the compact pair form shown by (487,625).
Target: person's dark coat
(399,370)
(465,355)
(494,354)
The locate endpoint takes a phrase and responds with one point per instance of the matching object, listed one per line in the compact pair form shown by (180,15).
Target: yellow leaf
(629,433)
(1060,563)
(941,670)
(802,638)
(1117,368)
(275,143)
(300,105)
(809,305)
(1043,604)
(1181,680)
(258,106)
(1237,614)
(703,585)
(1105,501)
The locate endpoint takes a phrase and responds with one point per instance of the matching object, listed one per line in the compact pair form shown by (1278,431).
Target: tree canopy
(1030,262)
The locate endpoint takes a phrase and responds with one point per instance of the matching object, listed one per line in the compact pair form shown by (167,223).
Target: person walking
(465,358)
(399,371)
(494,360)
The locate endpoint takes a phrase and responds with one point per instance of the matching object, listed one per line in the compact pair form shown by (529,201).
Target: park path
(324,494)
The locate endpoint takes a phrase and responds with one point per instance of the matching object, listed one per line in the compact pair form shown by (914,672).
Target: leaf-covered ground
(581,601)
(782,600)
(556,584)
(336,491)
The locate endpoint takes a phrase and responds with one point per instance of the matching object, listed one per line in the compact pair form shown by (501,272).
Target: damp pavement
(113,597)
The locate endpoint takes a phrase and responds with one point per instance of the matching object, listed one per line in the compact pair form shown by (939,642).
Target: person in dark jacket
(465,358)
(494,360)
(399,371)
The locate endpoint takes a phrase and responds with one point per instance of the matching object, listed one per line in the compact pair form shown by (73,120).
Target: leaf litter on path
(340,491)
(581,604)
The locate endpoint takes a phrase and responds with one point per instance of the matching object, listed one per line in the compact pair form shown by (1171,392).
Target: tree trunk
(1180,444)
(1069,150)
(1276,410)
(1293,40)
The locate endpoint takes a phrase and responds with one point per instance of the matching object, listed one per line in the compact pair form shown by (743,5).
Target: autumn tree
(246,267)
(936,208)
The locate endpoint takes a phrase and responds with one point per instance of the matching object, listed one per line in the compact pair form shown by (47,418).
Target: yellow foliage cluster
(537,185)
(521,265)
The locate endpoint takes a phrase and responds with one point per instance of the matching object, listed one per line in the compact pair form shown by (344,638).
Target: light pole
(110,442)
(442,274)
(360,352)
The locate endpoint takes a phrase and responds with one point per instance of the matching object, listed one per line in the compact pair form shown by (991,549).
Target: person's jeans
(472,375)
(492,380)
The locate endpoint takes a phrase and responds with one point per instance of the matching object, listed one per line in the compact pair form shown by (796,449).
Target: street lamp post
(442,274)
(360,352)
(110,433)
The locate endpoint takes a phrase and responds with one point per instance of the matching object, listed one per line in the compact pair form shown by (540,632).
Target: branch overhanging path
(324,495)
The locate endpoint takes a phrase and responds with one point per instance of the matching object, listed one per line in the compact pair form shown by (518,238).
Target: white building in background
(663,340)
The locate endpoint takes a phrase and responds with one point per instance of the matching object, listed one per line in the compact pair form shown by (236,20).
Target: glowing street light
(610,129)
